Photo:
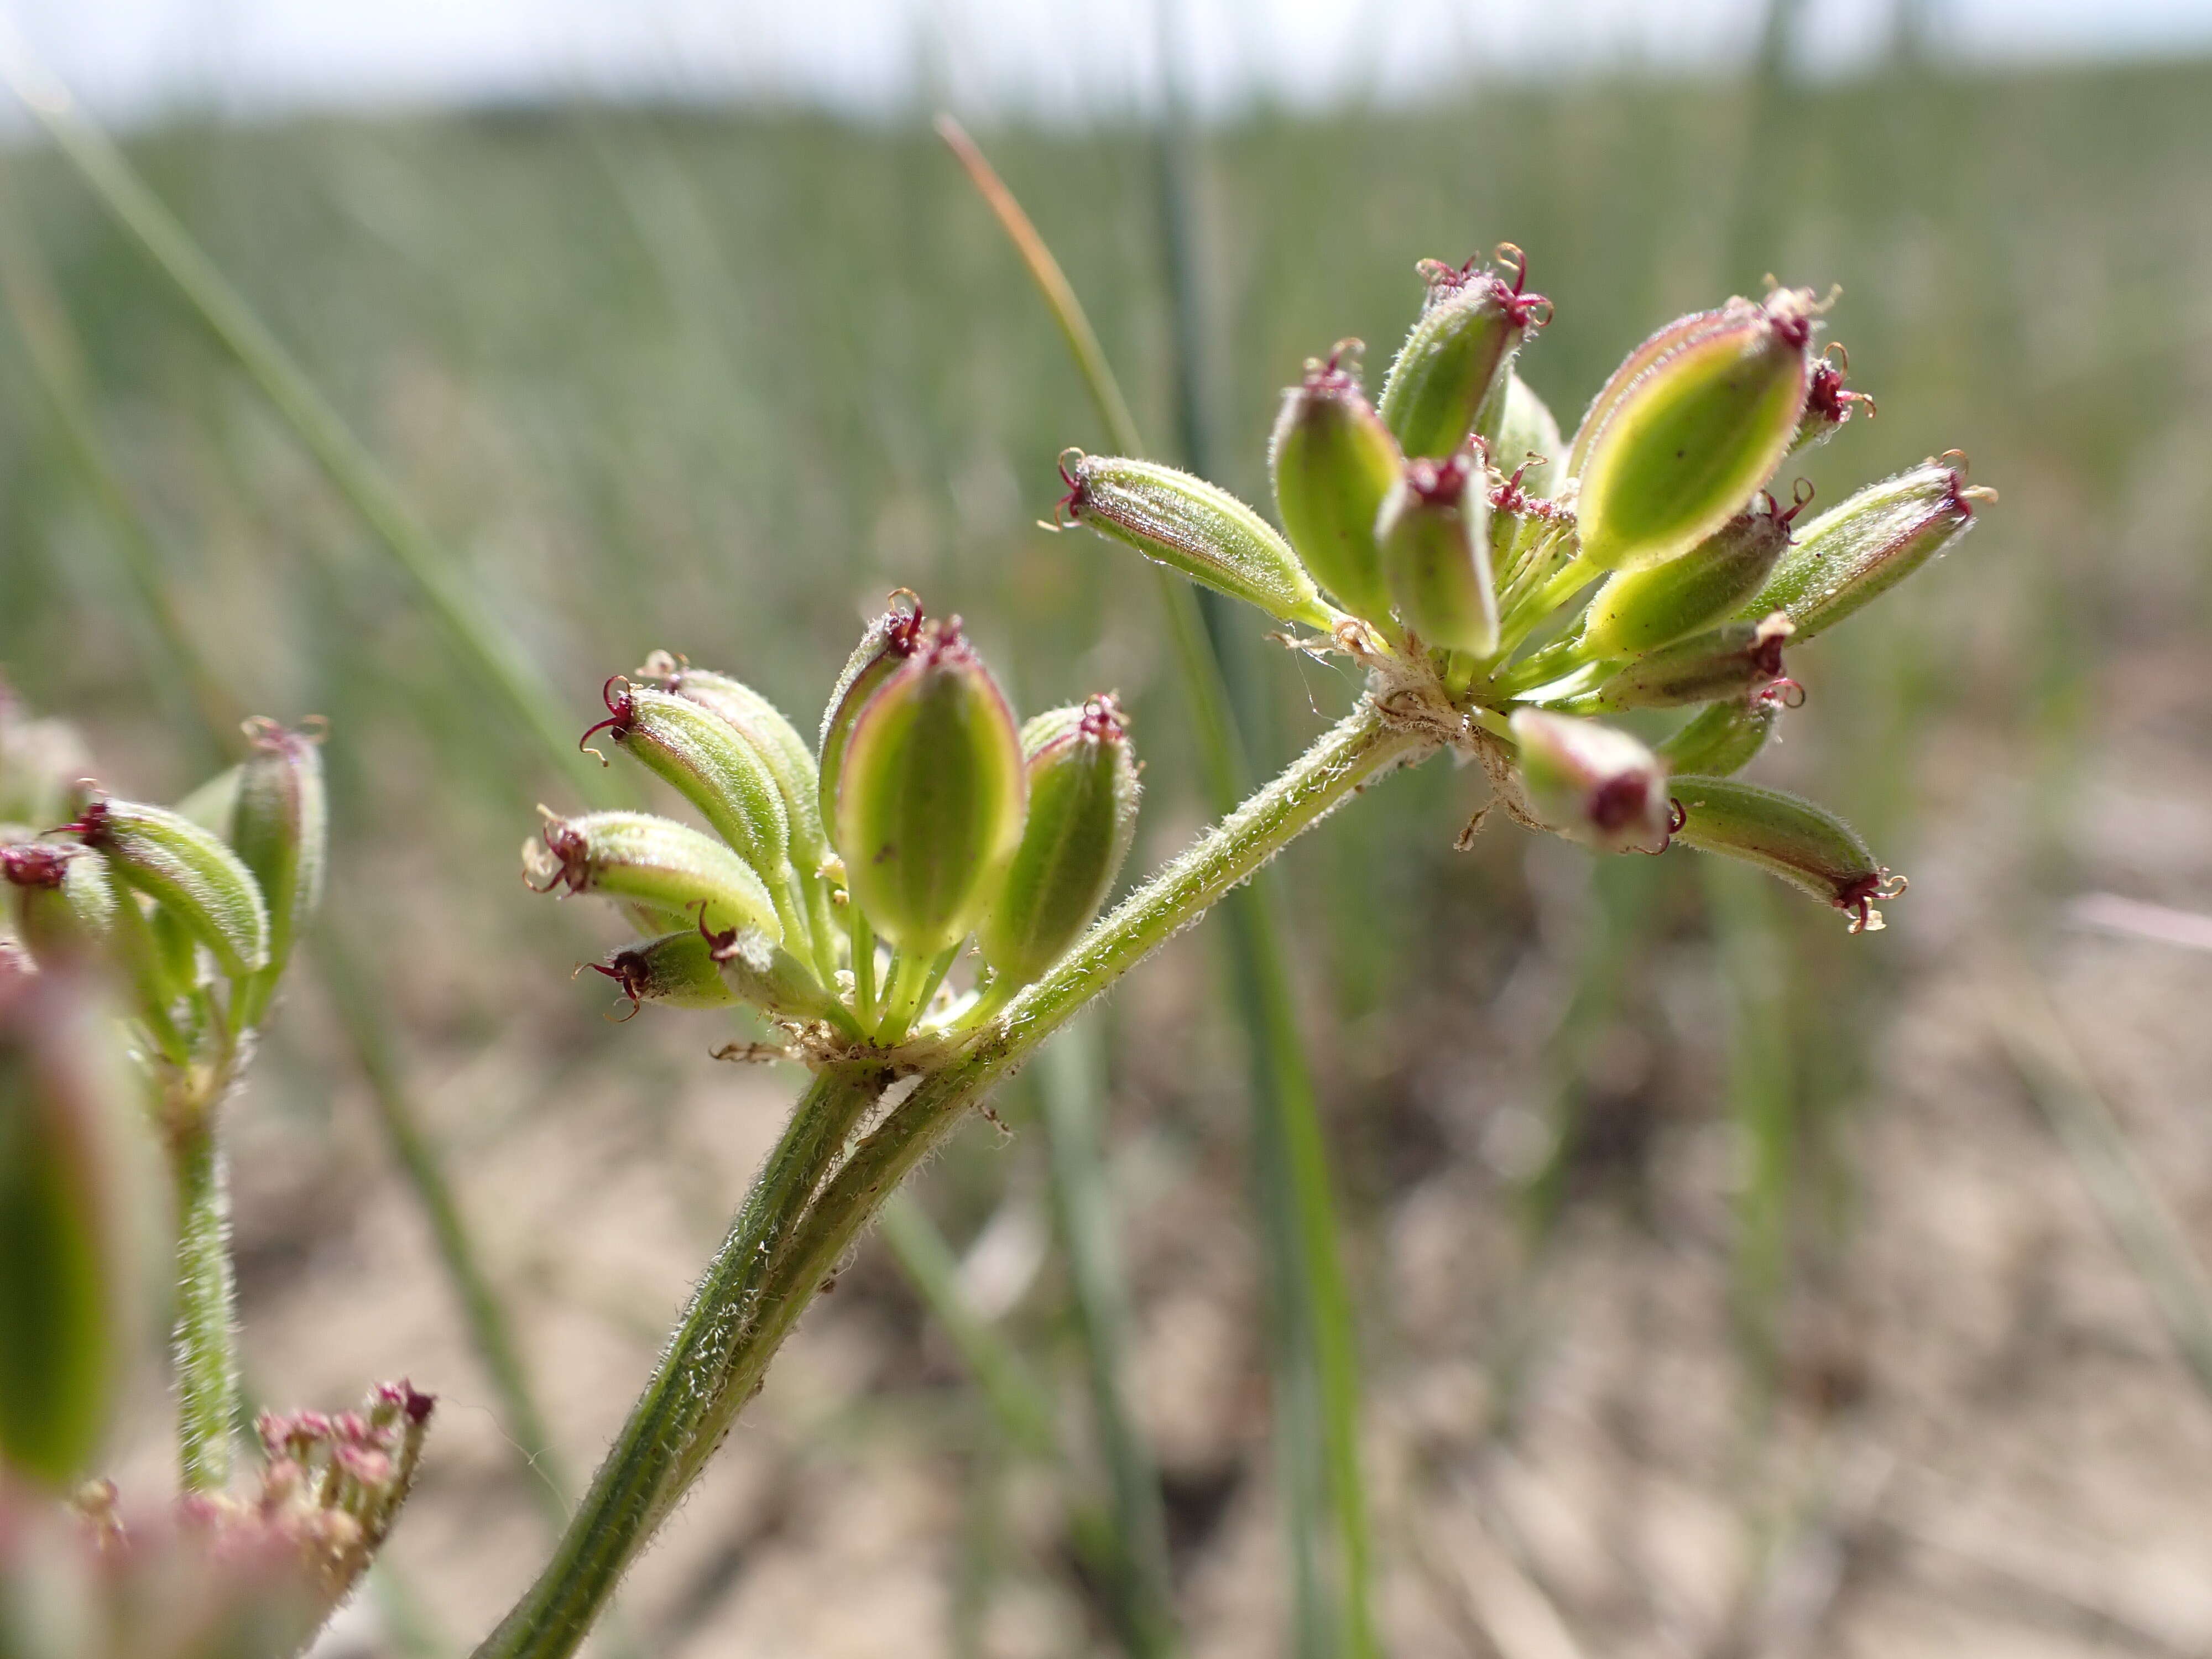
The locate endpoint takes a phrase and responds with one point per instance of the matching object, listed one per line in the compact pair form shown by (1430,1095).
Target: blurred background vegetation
(716,382)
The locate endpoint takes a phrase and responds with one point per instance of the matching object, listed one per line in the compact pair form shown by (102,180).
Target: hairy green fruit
(1803,843)
(1641,610)
(774,981)
(1194,527)
(1083,793)
(189,872)
(65,901)
(773,738)
(676,969)
(1855,553)
(668,867)
(1456,359)
(711,763)
(280,829)
(1723,739)
(72,912)
(1434,532)
(1594,784)
(1333,461)
(889,641)
(930,801)
(1736,661)
(1686,441)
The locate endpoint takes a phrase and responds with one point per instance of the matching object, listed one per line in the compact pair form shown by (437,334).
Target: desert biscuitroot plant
(140,950)
(1500,587)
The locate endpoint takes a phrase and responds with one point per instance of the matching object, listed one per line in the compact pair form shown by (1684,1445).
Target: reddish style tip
(1102,720)
(1620,801)
(28,864)
(622,711)
(1441,483)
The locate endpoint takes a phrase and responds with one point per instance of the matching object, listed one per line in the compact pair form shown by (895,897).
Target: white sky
(131,58)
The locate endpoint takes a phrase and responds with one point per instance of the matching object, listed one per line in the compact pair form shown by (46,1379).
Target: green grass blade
(1761,1092)
(490,1331)
(433,571)
(57,360)
(2157,1246)
(1018,1402)
(1052,282)
(1016,1399)
(1304,1255)
(1072,1115)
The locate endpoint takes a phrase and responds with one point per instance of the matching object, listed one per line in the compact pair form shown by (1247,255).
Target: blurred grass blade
(1018,1402)
(1317,1342)
(490,1332)
(1059,295)
(2052,1070)
(1016,1399)
(1761,1093)
(1313,1307)
(58,361)
(434,570)
(1073,1113)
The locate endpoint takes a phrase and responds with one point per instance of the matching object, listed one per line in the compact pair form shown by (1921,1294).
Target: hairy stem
(206,1336)
(796,1224)
(687,1407)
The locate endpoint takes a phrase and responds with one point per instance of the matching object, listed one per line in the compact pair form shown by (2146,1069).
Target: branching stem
(811,1201)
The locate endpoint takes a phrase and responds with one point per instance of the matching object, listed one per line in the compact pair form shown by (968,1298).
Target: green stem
(782,1247)
(695,1394)
(1577,573)
(206,1335)
(822,928)
(937,970)
(864,967)
(904,996)
(1541,667)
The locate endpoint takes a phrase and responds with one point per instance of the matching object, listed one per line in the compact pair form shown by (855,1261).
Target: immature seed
(1723,739)
(1736,661)
(1193,526)
(670,868)
(1434,534)
(1686,441)
(1593,783)
(1641,610)
(1333,461)
(711,763)
(889,641)
(1803,843)
(280,828)
(1082,816)
(931,796)
(1858,552)
(1457,358)
(188,871)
